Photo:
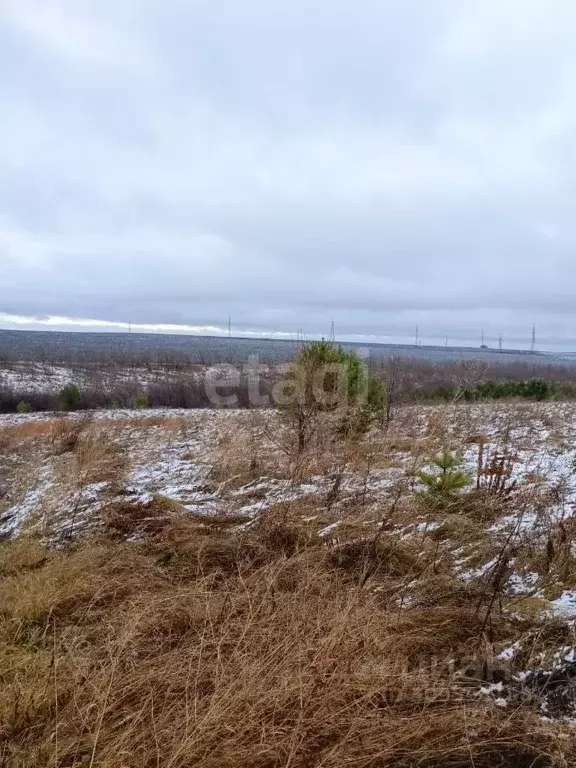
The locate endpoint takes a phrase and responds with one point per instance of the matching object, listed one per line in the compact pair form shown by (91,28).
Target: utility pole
(500,342)
(417,337)
(130,327)
(229,327)
(533,344)
(446,341)
(482,342)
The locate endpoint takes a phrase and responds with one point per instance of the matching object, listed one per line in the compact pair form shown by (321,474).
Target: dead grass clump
(242,454)
(65,432)
(221,556)
(281,529)
(228,557)
(20,555)
(479,505)
(437,425)
(218,522)
(283,539)
(460,529)
(293,512)
(497,746)
(449,631)
(135,518)
(77,583)
(440,587)
(95,458)
(195,552)
(415,446)
(379,557)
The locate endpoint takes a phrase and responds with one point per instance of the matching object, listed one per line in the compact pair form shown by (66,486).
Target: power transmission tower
(229,327)
(130,327)
(332,333)
(533,344)
(482,342)
(500,342)
(417,337)
(446,341)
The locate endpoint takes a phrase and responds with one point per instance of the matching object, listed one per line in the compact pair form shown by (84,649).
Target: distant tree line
(403,381)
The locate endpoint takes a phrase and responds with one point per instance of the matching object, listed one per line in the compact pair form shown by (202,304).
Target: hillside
(186,588)
(53,346)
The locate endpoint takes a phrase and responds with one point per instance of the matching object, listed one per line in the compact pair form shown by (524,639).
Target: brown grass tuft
(135,518)
(96,457)
(378,557)
(65,432)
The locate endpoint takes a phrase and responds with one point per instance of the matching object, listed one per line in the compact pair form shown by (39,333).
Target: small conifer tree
(448,479)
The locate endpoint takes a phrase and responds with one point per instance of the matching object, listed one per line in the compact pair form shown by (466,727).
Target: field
(187,588)
(66,347)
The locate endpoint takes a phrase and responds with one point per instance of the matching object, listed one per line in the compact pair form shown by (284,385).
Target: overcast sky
(382,163)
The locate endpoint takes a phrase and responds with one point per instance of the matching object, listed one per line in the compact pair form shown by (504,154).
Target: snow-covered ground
(52,378)
(35,377)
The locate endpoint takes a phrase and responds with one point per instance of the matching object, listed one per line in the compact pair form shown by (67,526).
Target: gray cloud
(380,163)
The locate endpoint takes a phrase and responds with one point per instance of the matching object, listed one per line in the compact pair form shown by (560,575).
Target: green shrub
(377,395)
(533,389)
(23,407)
(359,416)
(538,389)
(141,402)
(70,398)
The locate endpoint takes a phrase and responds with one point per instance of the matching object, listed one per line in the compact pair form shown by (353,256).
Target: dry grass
(28,429)
(135,518)
(226,651)
(93,456)
(57,429)
(245,451)
(329,630)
